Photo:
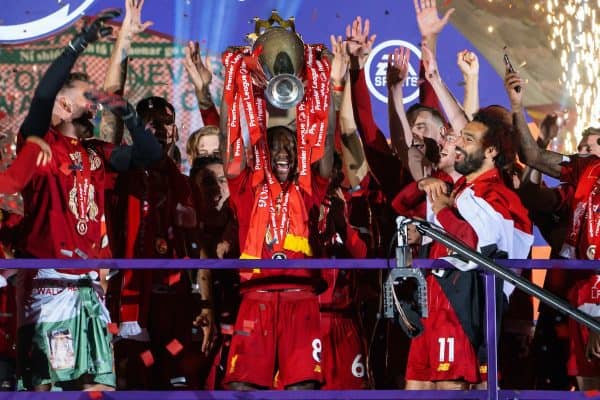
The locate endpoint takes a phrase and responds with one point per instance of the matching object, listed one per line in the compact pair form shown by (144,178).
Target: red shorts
(443,351)
(577,364)
(344,356)
(276,330)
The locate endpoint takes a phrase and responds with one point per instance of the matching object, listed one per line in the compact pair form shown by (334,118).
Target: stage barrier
(493,392)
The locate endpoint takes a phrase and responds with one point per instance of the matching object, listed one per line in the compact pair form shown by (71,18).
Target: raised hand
(433,187)
(397,69)
(195,67)
(468,63)
(359,44)
(339,65)
(430,24)
(94,30)
(132,22)
(511,81)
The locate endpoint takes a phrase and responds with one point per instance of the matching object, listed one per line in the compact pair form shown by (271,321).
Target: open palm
(133,17)
(429,22)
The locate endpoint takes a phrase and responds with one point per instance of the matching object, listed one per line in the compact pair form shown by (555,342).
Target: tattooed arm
(111,127)
(547,162)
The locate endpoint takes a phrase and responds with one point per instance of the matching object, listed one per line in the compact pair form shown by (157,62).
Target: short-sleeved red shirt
(53,202)
(242,201)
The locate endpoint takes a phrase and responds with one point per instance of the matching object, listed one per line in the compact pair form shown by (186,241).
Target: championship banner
(155,69)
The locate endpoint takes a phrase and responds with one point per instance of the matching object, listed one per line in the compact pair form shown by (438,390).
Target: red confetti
(591,393)
(147,358)
(174,278)
(95,395)
(174,347)
(113,328)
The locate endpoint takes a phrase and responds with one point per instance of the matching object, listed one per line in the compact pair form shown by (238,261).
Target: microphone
(403,251)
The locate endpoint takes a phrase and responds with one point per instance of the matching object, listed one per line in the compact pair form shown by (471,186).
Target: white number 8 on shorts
(317,348)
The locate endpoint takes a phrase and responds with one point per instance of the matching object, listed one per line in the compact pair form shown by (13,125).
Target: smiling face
(282,147)
(470,154)
(448,154)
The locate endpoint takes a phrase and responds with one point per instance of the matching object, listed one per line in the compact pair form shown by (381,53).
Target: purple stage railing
(492,392)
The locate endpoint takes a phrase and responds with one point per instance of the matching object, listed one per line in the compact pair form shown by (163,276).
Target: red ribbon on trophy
(243,95)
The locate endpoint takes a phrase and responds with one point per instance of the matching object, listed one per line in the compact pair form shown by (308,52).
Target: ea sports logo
(376,70)
(49,17)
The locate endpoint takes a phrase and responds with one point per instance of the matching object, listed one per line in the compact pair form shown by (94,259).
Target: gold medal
(591,252)
(82,227)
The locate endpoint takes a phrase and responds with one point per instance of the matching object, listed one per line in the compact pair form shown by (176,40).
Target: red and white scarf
(278,216)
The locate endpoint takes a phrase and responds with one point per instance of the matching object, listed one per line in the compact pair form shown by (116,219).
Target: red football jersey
(64,202)
(242,200)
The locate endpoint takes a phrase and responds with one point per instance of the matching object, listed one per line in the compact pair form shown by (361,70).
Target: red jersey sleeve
(386,168)
(363,113)
(457,227)
(241,200)
(210,116)
(354,244)
(410,202)
(427,96)
(20,172)
(319,190)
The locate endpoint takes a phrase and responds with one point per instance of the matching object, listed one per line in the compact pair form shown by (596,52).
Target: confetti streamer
(174,347)
(147,358)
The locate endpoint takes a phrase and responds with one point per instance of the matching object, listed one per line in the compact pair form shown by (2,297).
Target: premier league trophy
(278,74)
(281,60)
